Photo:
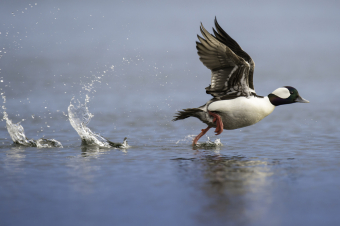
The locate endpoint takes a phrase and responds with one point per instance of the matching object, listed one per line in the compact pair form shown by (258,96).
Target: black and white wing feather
(231,68)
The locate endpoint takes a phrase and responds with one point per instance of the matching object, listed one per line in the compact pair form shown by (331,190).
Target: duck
(235,103)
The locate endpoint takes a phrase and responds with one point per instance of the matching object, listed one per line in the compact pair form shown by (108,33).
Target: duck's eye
(291,92)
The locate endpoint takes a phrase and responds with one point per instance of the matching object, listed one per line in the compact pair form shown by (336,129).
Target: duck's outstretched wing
(231,68)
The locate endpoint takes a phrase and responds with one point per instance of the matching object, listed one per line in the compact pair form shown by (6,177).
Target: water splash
(80,117)
(207,144)
(186,139)
(210,144)
(17,133)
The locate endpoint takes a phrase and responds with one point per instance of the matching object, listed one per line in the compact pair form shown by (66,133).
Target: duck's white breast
(242,111)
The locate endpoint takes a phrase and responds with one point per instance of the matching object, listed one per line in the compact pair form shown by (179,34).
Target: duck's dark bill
(301,100)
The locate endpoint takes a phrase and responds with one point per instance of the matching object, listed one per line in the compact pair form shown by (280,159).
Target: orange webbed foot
(219,123)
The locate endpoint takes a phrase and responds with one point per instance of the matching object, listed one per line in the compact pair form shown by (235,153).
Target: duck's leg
(218,130)
(204,131)
(219,123)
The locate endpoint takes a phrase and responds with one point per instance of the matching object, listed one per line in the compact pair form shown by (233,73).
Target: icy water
(109,70)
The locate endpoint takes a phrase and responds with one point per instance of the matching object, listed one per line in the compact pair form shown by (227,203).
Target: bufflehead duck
(235,103)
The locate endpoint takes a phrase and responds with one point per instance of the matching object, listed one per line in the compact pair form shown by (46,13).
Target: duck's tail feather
(186,113)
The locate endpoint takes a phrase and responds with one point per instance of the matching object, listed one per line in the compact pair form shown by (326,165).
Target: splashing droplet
(80,117)
(17,133)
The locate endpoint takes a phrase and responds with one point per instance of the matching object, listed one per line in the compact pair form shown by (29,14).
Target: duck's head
(285,95)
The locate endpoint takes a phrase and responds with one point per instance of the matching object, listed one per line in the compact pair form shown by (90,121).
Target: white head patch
(282,92)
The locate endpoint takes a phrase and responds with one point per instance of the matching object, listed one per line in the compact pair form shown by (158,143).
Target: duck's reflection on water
(235,188)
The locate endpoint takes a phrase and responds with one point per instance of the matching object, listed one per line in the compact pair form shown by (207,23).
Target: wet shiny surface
(139,65)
